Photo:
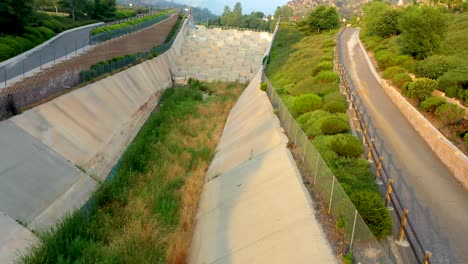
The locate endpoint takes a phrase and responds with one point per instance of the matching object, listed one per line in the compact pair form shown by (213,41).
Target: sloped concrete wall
(254,206)
(221,55)
(53,156)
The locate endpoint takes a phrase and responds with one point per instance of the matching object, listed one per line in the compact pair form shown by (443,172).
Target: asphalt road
(58,48)
(437,203)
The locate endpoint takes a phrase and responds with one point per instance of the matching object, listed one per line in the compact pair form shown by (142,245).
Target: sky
(217,6)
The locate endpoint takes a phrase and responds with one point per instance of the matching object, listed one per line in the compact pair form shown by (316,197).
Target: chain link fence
(128,60)
(365,247)
(382,163)
(33,90)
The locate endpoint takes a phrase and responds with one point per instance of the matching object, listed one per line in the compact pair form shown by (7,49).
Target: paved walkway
(254,207)
(437,203)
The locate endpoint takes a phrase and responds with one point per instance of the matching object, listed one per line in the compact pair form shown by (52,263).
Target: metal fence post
(305,146)
(316,167)
(427,256)
(401,233)
(354,229)
(4,75)
(76,47)
(369,151)
(388,193)
(378,174)
(22,65)
(331,194)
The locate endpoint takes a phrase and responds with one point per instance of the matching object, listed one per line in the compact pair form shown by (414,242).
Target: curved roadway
(58,48)
(437,203)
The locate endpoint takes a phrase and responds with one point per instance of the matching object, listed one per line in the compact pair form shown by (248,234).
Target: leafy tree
(285,12)
(323,18)
(373,14)
(387,24)
(423,30)
(14,15)
(103,9)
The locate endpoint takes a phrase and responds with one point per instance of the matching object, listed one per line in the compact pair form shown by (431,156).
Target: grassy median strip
(146,214)
(128,23)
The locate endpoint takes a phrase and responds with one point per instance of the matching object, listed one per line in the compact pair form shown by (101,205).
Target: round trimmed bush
(449,113)
(373,211)
(384,59)
(335,107)
(6,52)
(435,66)
(322,66)
(327,77)
(334,96)
(347,145)
(431,103)
(326,58)
(334,125)
(401,78)
(422,88)
(306,103)
(392,71)
(46,32)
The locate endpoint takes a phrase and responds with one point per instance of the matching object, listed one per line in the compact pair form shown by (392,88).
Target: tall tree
(423,30)
(285,12)
(104,9)
(323,18)
(14,14)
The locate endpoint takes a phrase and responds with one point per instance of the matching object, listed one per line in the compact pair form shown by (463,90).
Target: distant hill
(347,8)
(199,14)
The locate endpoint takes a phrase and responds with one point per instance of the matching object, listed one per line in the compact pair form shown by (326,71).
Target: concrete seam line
(28,52)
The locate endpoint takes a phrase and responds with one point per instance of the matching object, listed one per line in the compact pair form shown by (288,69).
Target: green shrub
(452,91)
(435,66)
(263,86)
(306,103)
(327,77)
(323,66)
(46,32)
(431,103)
(465,138)
(347,145)
(384,59)
(6,52)
(334,125)
(334,96)
(326,58)
(335,107)
(328,43)
(455,77)
(422,88)
(449,113)
(404,88)
(401,78)
(373,212)
(310,116)
(36,33)
(392,71)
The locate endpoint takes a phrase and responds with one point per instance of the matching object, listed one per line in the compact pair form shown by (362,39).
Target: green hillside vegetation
(25,24)
(428,42)
(127,24)
(235,18)
(301,69)
(146,213)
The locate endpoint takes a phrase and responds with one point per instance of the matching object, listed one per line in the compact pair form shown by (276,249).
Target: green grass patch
(146,214)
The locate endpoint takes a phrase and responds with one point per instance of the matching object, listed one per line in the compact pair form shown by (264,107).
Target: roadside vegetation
(301,69)
(25,24)
(146,213)
(420,49)
(127,24)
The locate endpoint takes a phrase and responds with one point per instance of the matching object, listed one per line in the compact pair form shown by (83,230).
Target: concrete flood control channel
(54,155)
(437,203)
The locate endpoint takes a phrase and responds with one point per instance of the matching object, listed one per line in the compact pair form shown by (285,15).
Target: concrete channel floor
(437,203)
(254,206)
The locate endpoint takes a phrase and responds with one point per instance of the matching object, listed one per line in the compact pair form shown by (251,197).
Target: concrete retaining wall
(53,156)
(455,160)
